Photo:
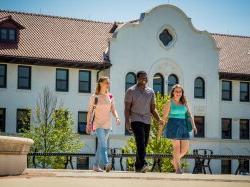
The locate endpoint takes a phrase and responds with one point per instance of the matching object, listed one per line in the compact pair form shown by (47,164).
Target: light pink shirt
(103,110)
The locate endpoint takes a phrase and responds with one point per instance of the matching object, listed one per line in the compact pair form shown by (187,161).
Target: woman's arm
(114,112)
(191,118)
(166,110)
(113,109)
(90,108)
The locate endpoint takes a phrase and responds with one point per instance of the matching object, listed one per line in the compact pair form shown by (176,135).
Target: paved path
(75,178)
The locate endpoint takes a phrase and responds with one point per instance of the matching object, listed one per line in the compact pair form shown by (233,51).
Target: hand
(128,127)
(161,122)
(118,121)
(195,130)
(88,129)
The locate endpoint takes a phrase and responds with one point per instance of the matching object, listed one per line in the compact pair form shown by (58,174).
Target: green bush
(52,131)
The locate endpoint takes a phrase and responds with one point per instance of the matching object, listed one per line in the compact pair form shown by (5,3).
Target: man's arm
(127,113)
(153,109)
(154,112)
(127,103)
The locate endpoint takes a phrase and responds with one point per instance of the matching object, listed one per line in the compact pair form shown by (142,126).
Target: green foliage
(52,131)
(162,145)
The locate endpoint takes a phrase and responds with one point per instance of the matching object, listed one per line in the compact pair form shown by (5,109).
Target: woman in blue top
(174,115)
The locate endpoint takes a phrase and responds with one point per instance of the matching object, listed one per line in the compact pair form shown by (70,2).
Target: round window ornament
(166,37)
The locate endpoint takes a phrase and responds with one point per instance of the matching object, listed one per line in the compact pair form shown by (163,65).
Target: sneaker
(144,169)
(108,167)
(97,169)
(179,171)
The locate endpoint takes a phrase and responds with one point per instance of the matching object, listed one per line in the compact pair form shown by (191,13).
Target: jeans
(141,133)
(101,155)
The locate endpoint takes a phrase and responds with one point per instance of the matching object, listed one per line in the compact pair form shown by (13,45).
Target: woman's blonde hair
(183,97)
(98,85)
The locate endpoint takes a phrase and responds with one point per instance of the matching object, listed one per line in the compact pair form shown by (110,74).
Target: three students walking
(140,106)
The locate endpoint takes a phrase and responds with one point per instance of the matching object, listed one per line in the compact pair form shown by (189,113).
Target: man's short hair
(140,73)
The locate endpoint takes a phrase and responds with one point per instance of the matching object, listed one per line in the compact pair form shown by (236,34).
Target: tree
(155,145)
(52,130)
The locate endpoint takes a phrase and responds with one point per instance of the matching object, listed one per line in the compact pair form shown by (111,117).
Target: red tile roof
(59,40)
(234,54)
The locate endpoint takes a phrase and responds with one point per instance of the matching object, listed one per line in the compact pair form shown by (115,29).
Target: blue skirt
(176,128)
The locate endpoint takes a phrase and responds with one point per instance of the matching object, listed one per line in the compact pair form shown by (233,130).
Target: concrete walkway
(83,178)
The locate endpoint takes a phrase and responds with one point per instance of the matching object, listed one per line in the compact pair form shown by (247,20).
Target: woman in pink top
(102,121)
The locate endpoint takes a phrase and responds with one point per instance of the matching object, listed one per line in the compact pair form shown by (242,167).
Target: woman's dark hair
(183,97)
(140,73)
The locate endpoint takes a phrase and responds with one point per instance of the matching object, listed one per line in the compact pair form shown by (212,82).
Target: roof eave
(55,62)
(234,76)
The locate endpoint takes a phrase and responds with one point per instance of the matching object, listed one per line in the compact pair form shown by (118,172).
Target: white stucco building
(68,55)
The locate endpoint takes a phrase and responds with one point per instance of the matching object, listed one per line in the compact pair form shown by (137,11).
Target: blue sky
(220,16)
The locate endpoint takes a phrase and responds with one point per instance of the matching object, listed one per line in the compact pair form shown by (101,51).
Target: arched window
(158,83)
(130,80)
(172,80)
(199,88)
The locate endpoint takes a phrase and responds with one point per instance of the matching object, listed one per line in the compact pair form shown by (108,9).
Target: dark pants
(141,133)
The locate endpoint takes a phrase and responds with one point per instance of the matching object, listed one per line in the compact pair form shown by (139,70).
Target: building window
(82,122)
(244,129)
(3,75)
(22,120)
(244,91)
(226,167)
(246,166)
(2,119)
(200,125)
(8,35)
(83,163)
(226,128)
(24,77)
(130,80)
(158,83)
(84,81)
(227,90)
(62,80)
(199,88)
(165,37)
(172,80)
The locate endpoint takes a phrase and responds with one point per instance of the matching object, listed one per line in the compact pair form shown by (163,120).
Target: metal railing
(202,158)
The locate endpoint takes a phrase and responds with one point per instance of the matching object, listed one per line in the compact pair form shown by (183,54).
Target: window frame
(230,119)
(89,82)
(203,88)
(126,83)
(169,38)
(4,119)
(223,90)
(229,161)
(67,80)
(240,135)
(29,78)
(204,127)
(18,129)
(162,82)
(248,91)
(78,117)
(8,35)
(79,166)
(4,76)
(172,74)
